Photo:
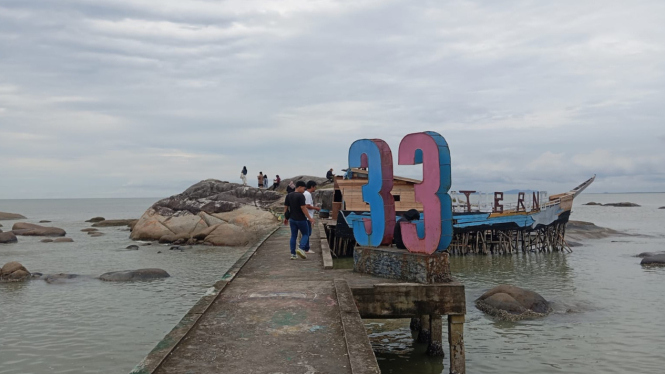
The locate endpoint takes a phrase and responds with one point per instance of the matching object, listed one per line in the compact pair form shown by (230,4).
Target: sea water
(86,325)
(607,308)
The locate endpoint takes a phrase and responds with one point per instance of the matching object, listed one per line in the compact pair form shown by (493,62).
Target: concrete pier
(271,314)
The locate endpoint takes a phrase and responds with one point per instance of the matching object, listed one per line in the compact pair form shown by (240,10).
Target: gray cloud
(142,98)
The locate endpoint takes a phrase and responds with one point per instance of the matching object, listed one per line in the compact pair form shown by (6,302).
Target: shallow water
(607,308)
(90,326)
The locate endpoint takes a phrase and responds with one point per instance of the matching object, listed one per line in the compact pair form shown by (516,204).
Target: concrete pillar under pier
(424,333)
(435,347)
(456,341)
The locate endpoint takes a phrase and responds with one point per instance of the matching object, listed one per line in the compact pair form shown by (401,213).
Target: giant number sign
(431,150)
(427,148)
(375,155)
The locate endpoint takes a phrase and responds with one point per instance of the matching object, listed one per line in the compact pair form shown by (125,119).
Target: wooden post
(456,341)
(435,347)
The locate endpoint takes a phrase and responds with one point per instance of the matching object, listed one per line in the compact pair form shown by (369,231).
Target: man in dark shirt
(295,206)
(409,216)
(330,176)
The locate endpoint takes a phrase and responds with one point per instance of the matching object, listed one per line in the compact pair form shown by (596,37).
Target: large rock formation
(13,272)
(7,237)
(212,212)
(513,303)
(9,216)
(30,229)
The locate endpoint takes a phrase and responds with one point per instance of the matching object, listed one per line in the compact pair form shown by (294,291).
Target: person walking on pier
(243,175)
(309,202)
(297,216)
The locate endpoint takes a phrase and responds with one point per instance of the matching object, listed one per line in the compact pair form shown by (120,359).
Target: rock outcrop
(13,272)
(321,182)
(134,275)
(30,229)
(63,240)
(212,212)
(9,216)
(513,303)
(96,219)
(7,237)
(656,260)
(592,203)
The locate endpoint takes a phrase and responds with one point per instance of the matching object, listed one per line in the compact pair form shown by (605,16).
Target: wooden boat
(528,224)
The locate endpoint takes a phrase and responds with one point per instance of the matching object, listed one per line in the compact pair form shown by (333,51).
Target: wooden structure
(528,225)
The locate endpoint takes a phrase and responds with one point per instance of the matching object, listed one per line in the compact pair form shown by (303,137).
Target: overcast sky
(142,98)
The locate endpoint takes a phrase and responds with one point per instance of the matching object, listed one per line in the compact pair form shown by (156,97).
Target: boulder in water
(14,272)
(649,254)
(513,303)
(96,219)
(622,205)
(657,260)
(134,275)
(592,203)
(95,234)
(89,230)
(63,240)
(133,247)
(662,207)
(115,222)
(580,230)
(59,278)
(46,240)
(30,229)
(10,216)
(7,237)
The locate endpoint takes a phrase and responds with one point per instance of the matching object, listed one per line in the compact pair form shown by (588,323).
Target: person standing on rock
(265,180)
(243,175)
(260,178)
(297,216)
(275,183)
(309,202)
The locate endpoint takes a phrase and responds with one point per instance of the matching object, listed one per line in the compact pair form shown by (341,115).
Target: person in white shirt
(309,203)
